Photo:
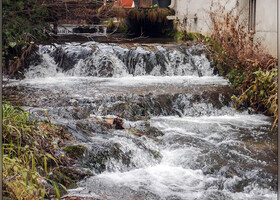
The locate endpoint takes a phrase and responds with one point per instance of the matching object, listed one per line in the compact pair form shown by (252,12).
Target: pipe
(172,5)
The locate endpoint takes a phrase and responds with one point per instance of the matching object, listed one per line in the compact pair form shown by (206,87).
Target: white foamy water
(185,149)
(60,80)
(103,60)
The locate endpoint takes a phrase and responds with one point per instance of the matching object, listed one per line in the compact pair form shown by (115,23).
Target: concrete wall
(191,9)
(196,15)
(266,25)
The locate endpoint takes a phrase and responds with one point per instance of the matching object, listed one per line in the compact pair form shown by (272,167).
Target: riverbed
(181,138)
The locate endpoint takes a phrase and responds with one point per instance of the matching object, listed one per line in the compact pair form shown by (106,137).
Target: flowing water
(182,138)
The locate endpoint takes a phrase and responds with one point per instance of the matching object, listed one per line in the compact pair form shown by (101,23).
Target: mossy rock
(97,159)
(91,126)
(61,178)
(154,132)
(76,174)
(79,113)
(156,154)
(75,151)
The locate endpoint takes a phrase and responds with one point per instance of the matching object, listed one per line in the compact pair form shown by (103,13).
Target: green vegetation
(153,14)
(116,27)
(244,62)
(186,36)
(110,24)
(31,152)
(123,27)
(154,6)
(23,23)
(75,151)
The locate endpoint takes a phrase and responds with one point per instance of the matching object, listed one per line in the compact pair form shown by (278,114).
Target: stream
(181,138)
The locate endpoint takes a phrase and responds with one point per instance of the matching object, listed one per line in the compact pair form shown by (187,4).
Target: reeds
(30,154)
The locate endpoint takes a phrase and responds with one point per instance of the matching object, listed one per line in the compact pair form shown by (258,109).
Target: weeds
(155,15)
(30,153)
(243,60)
(110,24)
(186,36)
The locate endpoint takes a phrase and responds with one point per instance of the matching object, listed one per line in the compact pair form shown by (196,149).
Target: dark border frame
(278,57)
(1,118)
(1,114)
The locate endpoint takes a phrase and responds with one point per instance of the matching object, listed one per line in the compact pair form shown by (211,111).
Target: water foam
(104,60)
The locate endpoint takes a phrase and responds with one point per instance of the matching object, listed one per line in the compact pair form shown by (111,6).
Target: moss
(76,173)
(75,151)
(156,154)
(186,36)
(123,27)
(60,177)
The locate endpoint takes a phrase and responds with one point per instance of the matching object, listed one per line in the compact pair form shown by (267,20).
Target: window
(252,15)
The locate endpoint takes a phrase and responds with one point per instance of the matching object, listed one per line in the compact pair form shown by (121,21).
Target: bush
(243,60)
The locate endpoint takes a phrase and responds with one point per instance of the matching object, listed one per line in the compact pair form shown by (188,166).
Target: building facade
(260,17)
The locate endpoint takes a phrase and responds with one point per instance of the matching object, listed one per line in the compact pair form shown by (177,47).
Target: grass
(30,154)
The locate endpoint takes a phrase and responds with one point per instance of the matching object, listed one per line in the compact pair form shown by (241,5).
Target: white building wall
(266,25)
(266,18)
(187,9)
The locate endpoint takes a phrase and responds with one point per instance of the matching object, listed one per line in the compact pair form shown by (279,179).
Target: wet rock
(148,130)
(34,58)
(154,132)
(174,197)
(198,50)
(209,195)
(75,151)
(67,59)
(75,173)
(227,171)
(121,109)
(84,127)
(92,126)
(82,29)
(80,198)
(67,177)
(98,156)
(118,122)
(79,113)
(59,177)
(142,145)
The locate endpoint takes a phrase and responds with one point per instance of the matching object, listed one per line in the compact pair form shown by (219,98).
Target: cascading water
(182,138)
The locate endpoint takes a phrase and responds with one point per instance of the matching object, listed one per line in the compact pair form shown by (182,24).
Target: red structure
(124,3)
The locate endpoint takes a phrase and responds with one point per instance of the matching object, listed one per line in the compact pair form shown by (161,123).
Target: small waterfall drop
(104,60)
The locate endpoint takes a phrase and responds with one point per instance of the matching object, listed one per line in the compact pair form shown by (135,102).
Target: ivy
(23,22)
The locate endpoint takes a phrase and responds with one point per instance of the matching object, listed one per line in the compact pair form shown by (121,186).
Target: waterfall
(102,60)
